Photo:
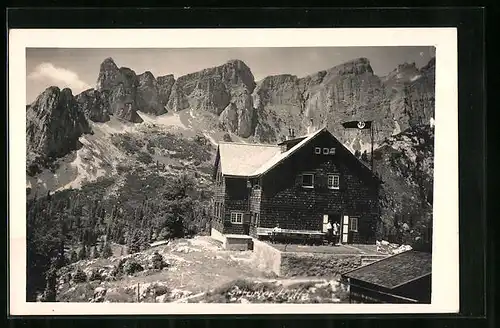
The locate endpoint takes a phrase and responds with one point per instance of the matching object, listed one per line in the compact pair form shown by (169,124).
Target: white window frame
(332,185)
(235,216)
(351,220)
(312,176)
(317,150)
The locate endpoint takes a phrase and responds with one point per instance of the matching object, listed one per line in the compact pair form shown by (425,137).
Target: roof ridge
(248,144)
(284,155)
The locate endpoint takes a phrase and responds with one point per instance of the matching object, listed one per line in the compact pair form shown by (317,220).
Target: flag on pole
(362,125)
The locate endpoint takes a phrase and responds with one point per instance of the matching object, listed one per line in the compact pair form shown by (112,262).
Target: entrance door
(345,229)
(325,223)
(246,224)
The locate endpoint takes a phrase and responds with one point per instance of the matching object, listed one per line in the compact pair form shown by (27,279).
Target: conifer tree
(82,254)
(106,251)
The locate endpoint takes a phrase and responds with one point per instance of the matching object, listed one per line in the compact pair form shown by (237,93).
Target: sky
(78,69)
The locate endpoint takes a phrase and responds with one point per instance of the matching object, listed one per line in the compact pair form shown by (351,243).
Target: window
(333,181)
(237,217)
(326,151)
(353,224)
(308,180)
(317,150)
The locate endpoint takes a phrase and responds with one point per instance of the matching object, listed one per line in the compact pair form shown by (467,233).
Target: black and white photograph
(297,175)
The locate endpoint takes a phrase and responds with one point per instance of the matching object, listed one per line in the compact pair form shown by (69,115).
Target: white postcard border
(445,261)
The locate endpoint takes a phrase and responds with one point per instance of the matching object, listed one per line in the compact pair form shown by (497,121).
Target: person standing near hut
(329,232)
(336,234)
(274,233)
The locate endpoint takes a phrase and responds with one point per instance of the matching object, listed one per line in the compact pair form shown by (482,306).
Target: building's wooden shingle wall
(235,199)
(218,198)
(286,202)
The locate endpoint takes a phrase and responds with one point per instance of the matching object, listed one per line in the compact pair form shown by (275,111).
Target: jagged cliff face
(351,91)
(228,96)
(94,104)
(264,111)
(224,91)
(165,84)
(128,93)
(54,122)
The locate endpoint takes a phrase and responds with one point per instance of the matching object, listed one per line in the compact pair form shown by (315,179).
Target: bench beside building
(300,184)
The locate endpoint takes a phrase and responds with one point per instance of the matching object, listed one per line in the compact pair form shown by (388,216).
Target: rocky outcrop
(165,84)
(148,98)
(351,91)
(94,104)
(54,122)
(223,90)
(128,93)
(120,84)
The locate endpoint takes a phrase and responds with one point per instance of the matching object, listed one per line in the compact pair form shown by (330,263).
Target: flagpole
(371,132)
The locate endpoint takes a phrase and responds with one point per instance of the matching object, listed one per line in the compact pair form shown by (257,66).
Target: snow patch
(416,77)
(164,120)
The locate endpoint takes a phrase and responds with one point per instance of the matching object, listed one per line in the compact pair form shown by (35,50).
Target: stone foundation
(292,264)
(317,264)
(233,242)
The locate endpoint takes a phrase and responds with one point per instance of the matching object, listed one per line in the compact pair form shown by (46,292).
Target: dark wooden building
(299,184)
(401,278)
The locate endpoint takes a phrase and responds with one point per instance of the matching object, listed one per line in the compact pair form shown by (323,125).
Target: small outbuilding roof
(395,270)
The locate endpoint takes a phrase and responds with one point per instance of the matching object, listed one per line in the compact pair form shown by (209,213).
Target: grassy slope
(198,266)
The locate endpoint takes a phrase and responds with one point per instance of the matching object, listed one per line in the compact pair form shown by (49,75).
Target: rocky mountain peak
(356,66)
(430,67)
(223,90)
(94,104)
(109,64)
(147,79)
(54,122)
(165,78)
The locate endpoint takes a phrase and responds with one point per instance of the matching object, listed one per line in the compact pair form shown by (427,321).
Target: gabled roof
(242,159)
(280,157)
(395,270)
(253,160)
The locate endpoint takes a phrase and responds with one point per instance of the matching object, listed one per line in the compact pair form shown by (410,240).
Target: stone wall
(291,264)
(314,264)
(217,235)
(265,257)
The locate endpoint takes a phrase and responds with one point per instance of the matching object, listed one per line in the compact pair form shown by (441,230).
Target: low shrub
(79,276)
(131,267)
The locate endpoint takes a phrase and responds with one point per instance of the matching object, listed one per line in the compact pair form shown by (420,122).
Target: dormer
(290,141)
